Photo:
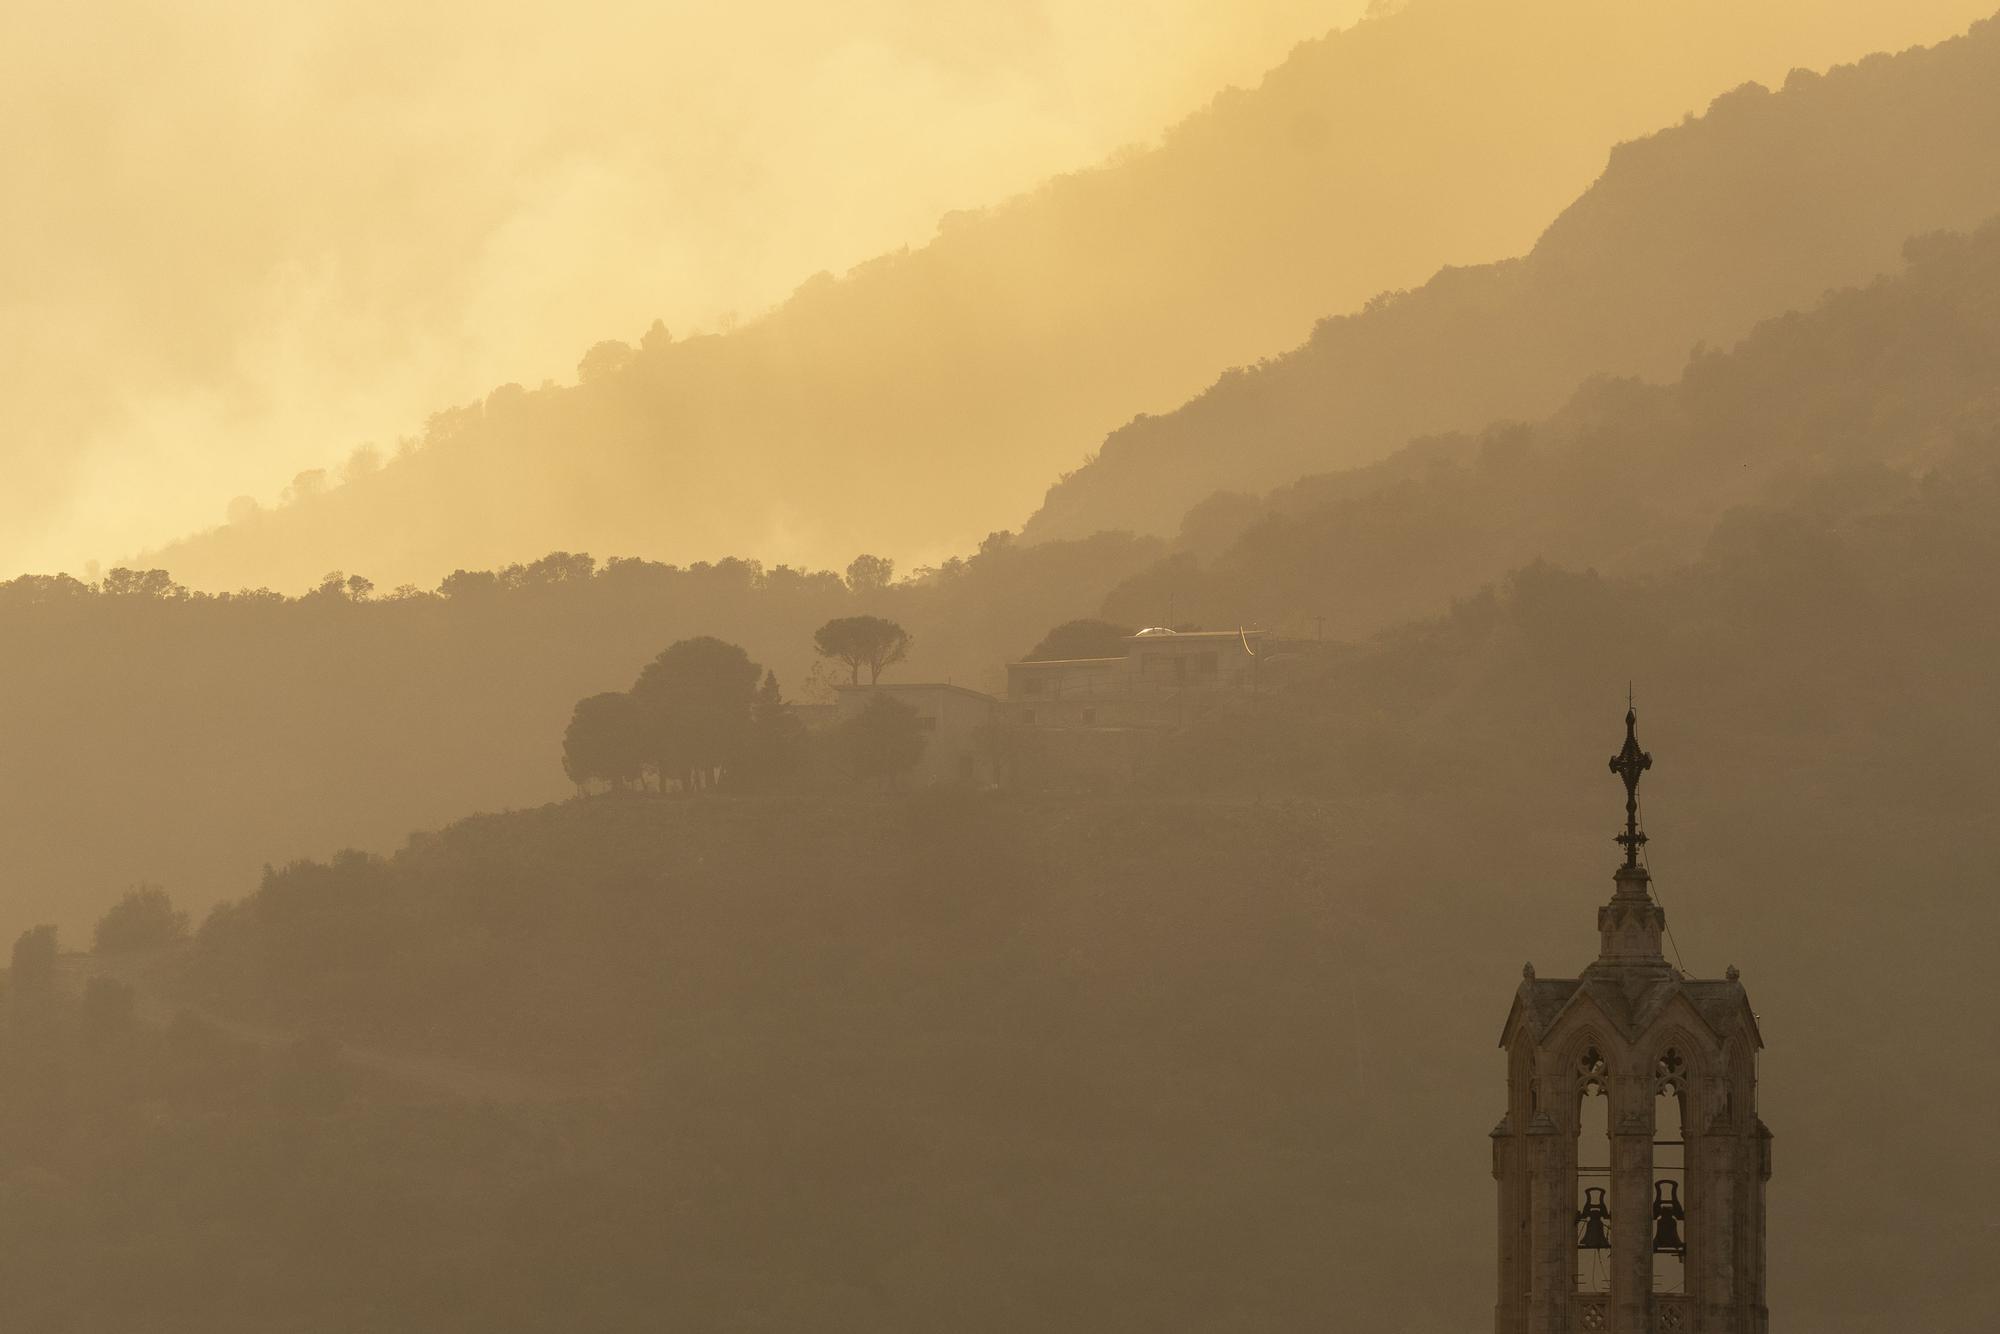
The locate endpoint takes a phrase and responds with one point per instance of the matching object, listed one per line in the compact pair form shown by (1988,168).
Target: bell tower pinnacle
(1631,764)
(1632,925)
(1631,1161)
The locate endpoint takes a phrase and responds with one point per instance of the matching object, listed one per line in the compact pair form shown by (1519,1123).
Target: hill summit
(1692,235)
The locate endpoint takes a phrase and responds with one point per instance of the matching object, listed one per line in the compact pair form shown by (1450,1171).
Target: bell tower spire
(1630,764)
(1633,924)
(1630,1161)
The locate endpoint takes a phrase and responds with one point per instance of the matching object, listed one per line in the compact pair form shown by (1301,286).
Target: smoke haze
(530,873)
(248,243)
(244,240)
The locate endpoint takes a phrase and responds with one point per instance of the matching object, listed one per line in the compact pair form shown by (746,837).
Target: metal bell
(1667,1218)
(1591,1219)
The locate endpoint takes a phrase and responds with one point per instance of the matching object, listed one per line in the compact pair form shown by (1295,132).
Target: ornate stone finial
(1731,973)
(1629,764)
(1528,972)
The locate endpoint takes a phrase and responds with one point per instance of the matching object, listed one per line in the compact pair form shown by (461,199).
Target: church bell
(1667,1217)
(1591,1235)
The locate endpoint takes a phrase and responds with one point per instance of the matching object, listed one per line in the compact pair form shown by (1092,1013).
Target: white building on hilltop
(1164,679)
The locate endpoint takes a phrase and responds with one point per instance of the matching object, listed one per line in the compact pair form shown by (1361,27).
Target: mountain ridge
(1873,388)
(1692,235)
(203,729)
(930,395)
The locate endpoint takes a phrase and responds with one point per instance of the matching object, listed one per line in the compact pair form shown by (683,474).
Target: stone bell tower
(1631,1162)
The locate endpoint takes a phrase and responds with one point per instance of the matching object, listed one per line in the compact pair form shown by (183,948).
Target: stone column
(1550,1228)
(1510,1307)
(1631,1222)
(1755,1174)
(1713,1210)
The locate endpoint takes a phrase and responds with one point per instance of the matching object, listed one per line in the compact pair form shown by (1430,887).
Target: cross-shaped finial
(1628,764)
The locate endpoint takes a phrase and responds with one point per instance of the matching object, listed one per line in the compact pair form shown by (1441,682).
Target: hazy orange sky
(243,240)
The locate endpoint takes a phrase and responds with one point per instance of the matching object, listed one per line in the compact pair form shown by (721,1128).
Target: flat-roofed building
(1165,678)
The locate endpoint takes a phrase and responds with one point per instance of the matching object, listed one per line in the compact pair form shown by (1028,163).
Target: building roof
(1543,1001)
(1065,662)
(1153,635)
(914,687)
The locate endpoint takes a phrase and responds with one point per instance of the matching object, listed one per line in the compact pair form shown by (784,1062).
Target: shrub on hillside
(144,919)
(34,961)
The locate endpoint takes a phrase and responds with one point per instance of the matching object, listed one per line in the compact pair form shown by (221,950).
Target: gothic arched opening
(1668,1228)
(1593,1173)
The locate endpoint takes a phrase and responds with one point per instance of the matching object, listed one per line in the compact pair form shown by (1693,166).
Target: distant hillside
(1216,1053)
(926,398)
(1216,1060)
(1874,389)
(217,733)
(1691,235)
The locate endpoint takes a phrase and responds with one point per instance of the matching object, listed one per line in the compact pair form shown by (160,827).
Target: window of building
(1032,686)
(1028,717)
(927,724)
(1089,717)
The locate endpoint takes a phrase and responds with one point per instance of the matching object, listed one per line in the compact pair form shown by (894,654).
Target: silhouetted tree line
(700,715)
(1691,235)
(145,918)
(1891,379)
(703,716)
(961,970)
(351,714)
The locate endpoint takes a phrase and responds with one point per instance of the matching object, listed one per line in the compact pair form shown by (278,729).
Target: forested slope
(1218,1048)
(218,734)
(926,398)
(1870,390)
(1691,235)
(1222,1054)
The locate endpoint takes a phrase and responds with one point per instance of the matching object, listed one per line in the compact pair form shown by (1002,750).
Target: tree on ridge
(696,701)
(863,641)
(605,741)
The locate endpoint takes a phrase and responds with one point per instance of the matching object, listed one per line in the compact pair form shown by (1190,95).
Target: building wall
(1206,661)
(1162,681)
(954,719)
